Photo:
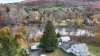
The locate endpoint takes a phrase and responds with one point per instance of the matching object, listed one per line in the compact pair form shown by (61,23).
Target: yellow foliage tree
(79,20)
(19,36)
(5,31)
(21,29)
(97,34)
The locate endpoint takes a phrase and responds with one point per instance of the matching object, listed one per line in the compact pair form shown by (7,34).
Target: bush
(23,53)
(58,35)
(7,9)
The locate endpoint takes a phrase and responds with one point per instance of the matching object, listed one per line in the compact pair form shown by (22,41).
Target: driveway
(91,54)
(35,53)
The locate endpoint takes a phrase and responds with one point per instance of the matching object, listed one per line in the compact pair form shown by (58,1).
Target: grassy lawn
(94,49)
(59,52)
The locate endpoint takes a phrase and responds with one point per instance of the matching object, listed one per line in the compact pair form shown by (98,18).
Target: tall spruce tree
(49,41)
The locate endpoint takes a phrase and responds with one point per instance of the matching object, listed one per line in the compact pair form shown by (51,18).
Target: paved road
(35,53)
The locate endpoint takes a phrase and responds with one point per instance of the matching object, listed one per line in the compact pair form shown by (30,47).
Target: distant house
(62,31)
(36,35)
(78,49)
(82,35)
(63,39)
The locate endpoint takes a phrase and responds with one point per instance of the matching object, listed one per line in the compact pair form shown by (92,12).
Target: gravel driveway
(35,53)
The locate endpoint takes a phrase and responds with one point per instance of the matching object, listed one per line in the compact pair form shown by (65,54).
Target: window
(72,49)
(66,48)
(64,42)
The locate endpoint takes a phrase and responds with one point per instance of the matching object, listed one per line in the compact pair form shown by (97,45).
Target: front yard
(59,52)
(94,49)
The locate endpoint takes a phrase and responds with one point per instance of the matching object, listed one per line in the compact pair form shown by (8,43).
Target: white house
(31,35)
(78,49)
(67,45)
(38,33)
(63,39)
(62,31)
(81,32)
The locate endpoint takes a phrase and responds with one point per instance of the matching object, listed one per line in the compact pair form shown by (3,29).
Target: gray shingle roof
(68,44)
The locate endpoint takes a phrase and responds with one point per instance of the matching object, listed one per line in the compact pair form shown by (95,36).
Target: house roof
(65,38)
(81,46)
(61,30)
(68,44)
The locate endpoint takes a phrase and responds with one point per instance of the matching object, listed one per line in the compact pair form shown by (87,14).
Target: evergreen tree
(85,22)
(58,35)
(7,9)
(49,41)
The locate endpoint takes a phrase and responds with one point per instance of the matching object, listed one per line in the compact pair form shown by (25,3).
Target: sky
(10,1)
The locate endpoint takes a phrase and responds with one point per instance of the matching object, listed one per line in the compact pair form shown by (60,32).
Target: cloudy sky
(9,1)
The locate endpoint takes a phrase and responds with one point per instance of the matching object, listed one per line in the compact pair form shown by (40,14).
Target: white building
(38,33)
(81,32)
(78,49)
(63,39)
(35,34)
(62,31)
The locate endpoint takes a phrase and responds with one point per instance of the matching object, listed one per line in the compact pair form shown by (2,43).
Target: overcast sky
(9,1)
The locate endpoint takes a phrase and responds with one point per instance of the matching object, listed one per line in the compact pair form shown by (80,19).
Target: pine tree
(49,41)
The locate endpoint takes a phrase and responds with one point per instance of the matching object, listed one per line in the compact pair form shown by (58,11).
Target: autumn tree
(19,35)
(49,41)
(21,29)
(19,38)
(80,20)
(97,36)
(5,31)
(9,46)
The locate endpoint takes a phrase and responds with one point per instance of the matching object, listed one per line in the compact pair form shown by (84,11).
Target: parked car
(34,48)
(27,52)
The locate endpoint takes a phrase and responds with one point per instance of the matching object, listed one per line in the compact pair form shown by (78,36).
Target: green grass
(94,49)
(53,9)
(47,9)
